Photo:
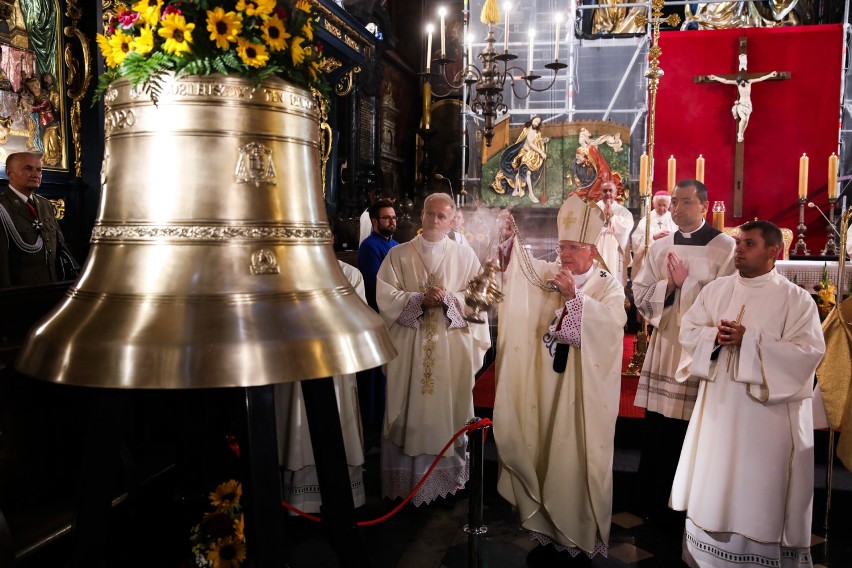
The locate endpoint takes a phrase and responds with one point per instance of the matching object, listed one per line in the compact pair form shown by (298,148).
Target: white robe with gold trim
(554,432)
(430,381)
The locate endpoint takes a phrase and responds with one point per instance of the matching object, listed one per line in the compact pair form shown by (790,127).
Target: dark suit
(18,267)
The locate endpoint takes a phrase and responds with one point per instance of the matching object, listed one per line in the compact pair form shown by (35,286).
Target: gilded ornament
(255,165)
(263,262)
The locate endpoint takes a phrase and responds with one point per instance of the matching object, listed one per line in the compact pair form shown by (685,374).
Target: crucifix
(741,110)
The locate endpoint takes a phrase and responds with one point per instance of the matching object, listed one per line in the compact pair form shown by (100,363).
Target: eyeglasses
(570,248)
(387,218)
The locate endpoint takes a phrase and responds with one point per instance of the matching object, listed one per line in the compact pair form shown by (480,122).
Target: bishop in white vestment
(420,293)
(745,477)
(662,225)
(554,428)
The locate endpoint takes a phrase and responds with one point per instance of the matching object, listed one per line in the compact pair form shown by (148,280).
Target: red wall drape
(792,117)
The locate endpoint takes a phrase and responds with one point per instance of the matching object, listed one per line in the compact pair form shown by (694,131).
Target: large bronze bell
(211,262)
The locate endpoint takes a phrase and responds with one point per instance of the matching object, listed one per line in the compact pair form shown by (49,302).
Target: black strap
(560,358)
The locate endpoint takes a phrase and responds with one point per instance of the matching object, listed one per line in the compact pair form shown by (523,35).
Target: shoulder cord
(12,231)
(526,264)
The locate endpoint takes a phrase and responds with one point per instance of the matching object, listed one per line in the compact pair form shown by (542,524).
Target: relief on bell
(255,165)
(263,261)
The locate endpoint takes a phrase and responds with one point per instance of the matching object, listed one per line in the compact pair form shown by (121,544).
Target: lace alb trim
(600,548)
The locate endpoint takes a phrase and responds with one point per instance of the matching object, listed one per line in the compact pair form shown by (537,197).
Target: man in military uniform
(31,236)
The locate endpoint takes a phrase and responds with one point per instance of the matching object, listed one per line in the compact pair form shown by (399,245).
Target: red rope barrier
(483,423)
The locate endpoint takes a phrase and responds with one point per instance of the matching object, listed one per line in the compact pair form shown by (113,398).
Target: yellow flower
(240,528)
(145,42)
(314,71)
(252,54)
(308,31)
(260,8)
(227,494)
(106,50)
(303,5)
(223,27)
(120,44)
(227,553)
(149,10)
(297,52)
(274,34)
(178,34)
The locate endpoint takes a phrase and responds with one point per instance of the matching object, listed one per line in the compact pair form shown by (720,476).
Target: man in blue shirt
(373,250)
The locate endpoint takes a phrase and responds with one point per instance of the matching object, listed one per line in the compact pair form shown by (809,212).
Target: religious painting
(540,163)
(32,86)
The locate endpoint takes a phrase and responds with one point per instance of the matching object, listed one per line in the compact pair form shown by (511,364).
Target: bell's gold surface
(211,262)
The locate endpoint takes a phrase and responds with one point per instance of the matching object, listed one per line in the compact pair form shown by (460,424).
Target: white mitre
(579,221)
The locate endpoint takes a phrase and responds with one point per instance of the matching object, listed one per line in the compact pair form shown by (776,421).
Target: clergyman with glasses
(559,352)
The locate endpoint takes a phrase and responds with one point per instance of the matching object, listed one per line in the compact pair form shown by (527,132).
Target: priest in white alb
(679,266)
(662,225)
(746,471)
(295,451)
(420,293)
(559,351)
(613,242)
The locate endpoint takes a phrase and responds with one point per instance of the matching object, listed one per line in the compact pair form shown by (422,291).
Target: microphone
(813,205)
(439,177)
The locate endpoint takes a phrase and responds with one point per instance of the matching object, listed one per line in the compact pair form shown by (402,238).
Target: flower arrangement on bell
(254,39)
(219,541)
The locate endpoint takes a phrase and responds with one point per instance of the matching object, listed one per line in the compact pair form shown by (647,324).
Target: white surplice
(554,431)
(708,255)
(614,241)
(659,223)
(295,451)
(430,381)
(746,468)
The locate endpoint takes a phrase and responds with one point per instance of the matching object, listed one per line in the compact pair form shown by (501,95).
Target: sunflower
(227,553)
(240,528)
(178,34)
(224,27)
(252,54)
(145,42)
(314,70)
(120,44)
(308,31)
(149,10)
(297,52)
(274,34)
(106,50)
(227,494)
(260,8)
(303,5)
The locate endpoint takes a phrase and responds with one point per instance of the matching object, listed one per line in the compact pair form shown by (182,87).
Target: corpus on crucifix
(741,110)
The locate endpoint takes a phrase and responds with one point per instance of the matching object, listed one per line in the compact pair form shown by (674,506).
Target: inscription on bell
(255,165)
(263,261)
(286,97)
(118,119)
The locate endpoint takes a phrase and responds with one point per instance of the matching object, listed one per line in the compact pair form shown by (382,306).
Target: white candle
(469,48)
(443,13)
(532,37)
(556,44)
(506,7)
(429,29)
(803,177)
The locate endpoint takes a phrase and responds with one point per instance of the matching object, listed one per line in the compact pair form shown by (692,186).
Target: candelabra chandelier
(488,83)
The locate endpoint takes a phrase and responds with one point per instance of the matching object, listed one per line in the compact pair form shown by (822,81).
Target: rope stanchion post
(475,527)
